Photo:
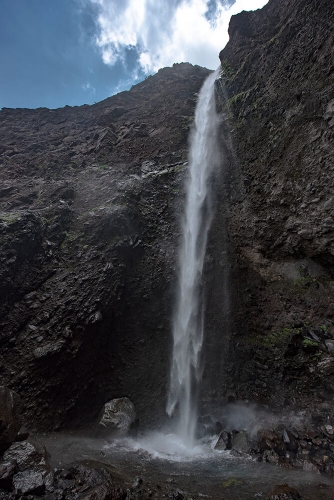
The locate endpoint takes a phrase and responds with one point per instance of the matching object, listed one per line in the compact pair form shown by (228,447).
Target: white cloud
(88,87)
(165,31)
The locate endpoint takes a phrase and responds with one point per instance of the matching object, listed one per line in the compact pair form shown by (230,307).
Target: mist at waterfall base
(204,474)
(168,469)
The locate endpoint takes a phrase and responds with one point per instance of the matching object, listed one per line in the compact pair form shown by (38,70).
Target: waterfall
(188,312)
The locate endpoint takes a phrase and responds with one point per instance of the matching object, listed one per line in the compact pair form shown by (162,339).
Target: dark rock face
(89,207)
(10,420)
(279,76)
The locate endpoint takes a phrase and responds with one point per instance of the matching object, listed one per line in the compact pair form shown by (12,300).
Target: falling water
(188,313)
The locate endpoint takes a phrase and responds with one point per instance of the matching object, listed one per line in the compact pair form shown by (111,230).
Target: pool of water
(165,465)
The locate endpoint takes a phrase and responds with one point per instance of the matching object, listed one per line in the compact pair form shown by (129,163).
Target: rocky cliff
(89,220)
(279,73)
(90,203)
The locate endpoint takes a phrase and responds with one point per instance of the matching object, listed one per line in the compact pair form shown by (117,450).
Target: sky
(71,52)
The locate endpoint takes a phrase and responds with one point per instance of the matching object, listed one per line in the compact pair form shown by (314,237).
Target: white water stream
(188,313)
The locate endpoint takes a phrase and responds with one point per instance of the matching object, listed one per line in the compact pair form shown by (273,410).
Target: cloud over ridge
(162,32)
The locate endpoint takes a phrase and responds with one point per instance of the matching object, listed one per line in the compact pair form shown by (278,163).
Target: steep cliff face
(279,75)
(90,199)
(89,227)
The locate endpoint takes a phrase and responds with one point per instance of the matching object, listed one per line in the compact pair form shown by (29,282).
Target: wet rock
(105,491)
(330,346)
(29,482)
(284,492)
(48,349)
(290,441)
(10,420)
(271,456)
(224,441)
(290,457)
(7,471)
(137,482)
(117,416)
(65,474)
(328,430)
(310,467)
(31,457)
(267,439)
(22,435)
(84,482)
(240,441)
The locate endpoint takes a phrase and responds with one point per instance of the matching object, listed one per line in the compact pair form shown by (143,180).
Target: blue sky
(58,52)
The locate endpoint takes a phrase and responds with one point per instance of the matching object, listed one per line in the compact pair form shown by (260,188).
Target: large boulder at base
(34,469)
(117,416)
(10,421)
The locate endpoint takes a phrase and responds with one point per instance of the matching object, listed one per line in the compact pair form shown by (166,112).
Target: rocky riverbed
(131,464)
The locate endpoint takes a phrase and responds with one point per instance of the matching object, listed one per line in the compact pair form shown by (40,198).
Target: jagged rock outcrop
(279,75)
(89,207)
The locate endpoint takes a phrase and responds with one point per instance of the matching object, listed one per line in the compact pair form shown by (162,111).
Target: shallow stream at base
(165,467)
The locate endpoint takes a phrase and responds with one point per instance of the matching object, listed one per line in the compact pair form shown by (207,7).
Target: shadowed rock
(7,471)
(10,421)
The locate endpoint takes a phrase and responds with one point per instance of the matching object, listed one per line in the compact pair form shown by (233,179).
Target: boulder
(29,482)
(240,442)
(31,457)
(117,416)
(7,471)
(270,456)
(224,441)
(10,421)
